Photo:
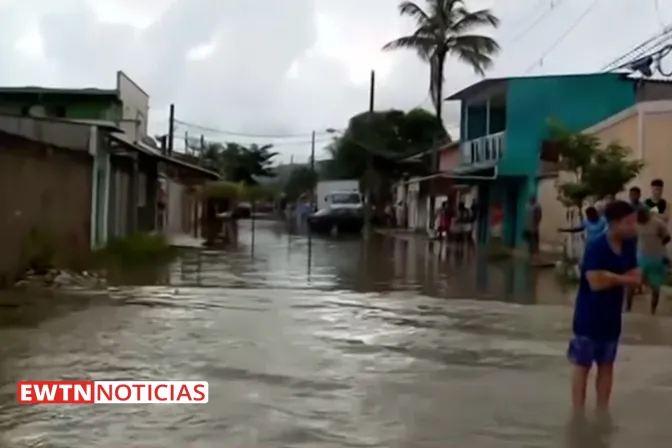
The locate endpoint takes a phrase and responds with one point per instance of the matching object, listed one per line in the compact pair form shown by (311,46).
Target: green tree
(238,163)
(590,169)
(386,137)
(447,28)
(301,180)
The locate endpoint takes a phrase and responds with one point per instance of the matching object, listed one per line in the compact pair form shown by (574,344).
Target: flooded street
(345,345)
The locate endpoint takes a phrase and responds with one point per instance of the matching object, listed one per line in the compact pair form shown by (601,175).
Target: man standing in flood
(609,266)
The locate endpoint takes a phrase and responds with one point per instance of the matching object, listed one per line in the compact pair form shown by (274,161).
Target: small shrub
(137,249)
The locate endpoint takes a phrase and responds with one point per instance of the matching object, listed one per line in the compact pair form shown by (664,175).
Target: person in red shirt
(443,227)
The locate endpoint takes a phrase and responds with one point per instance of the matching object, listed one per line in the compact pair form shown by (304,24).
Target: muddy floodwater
(347,344)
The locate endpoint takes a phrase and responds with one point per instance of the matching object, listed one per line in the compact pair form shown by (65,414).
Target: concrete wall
(647,130)
(135,107)
(68,135)
(449,158)
(50,192)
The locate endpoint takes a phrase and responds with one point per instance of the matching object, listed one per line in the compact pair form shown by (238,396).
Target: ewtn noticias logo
(113,392)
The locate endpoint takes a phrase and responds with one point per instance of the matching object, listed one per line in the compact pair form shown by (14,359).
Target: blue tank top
(594,229)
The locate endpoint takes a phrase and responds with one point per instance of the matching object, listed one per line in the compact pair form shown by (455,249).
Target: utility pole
(368,176)
(312,168)
(171,129)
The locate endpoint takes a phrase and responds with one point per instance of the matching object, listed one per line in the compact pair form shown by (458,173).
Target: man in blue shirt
(609,267)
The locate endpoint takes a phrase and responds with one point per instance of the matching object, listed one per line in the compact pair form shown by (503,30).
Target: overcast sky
(286,67)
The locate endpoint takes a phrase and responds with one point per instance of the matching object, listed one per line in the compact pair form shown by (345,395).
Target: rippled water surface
(345,345)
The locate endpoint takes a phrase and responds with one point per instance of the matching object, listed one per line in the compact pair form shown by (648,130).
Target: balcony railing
(487,149)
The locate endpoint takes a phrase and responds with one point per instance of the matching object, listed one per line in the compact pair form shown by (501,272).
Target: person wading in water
(652,236)
(609,266)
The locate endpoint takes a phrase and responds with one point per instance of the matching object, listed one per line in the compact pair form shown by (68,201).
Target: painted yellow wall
(652,143)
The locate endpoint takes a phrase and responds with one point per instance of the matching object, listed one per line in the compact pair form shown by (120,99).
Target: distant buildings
(76,164)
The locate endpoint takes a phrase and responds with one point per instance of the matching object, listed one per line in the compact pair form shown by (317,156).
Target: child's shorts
(585,352)
(654,270)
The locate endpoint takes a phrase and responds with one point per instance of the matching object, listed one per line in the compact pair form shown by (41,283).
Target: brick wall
(42,188)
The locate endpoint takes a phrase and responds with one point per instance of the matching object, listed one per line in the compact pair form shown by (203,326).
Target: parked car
(342,220)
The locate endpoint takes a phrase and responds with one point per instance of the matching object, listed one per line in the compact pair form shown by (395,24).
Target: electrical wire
(243,134)
(562,37)
(661,22)
(276,143)
(536,22)
(641,49)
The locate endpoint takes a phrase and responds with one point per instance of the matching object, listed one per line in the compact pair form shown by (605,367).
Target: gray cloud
(284,67)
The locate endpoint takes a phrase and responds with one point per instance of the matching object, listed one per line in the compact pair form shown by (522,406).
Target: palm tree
(443,30)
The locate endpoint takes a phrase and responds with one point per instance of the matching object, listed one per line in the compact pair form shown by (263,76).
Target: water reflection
(595,431)
(385,344)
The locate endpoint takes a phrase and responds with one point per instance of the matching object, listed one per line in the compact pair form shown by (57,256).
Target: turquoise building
(504,123)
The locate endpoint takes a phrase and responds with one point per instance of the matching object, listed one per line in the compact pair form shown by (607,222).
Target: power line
(641,49)
(275,144)
(533,25)
(656,4)
(243,134)
(576,23)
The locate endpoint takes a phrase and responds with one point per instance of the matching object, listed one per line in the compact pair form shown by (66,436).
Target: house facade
(505,122)
(127,191)
(645,128)
(414,193)
(47,179)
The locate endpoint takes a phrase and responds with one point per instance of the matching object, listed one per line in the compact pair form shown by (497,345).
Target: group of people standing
(625,250)
(653,215)
(456,225)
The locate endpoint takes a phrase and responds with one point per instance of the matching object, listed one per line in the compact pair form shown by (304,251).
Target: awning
(473,173)
(152,152)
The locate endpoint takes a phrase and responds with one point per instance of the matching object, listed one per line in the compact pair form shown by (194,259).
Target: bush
(135,250)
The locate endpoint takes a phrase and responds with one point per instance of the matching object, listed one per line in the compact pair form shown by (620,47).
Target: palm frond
(467,20)
(477,51)
(422,45)
(443,11)
(413,10)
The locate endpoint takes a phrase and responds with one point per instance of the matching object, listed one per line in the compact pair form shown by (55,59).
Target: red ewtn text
(89,392)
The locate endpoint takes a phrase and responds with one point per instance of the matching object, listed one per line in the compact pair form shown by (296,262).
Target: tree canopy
(238,163)
(447,28)
(302,179)
(592,170)
(386,137)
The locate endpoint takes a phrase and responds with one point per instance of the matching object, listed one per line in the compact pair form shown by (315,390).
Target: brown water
(385,346)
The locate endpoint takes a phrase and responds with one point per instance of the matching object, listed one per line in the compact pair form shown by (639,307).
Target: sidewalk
(185,241)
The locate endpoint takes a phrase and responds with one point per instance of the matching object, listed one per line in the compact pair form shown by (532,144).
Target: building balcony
(488,149)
